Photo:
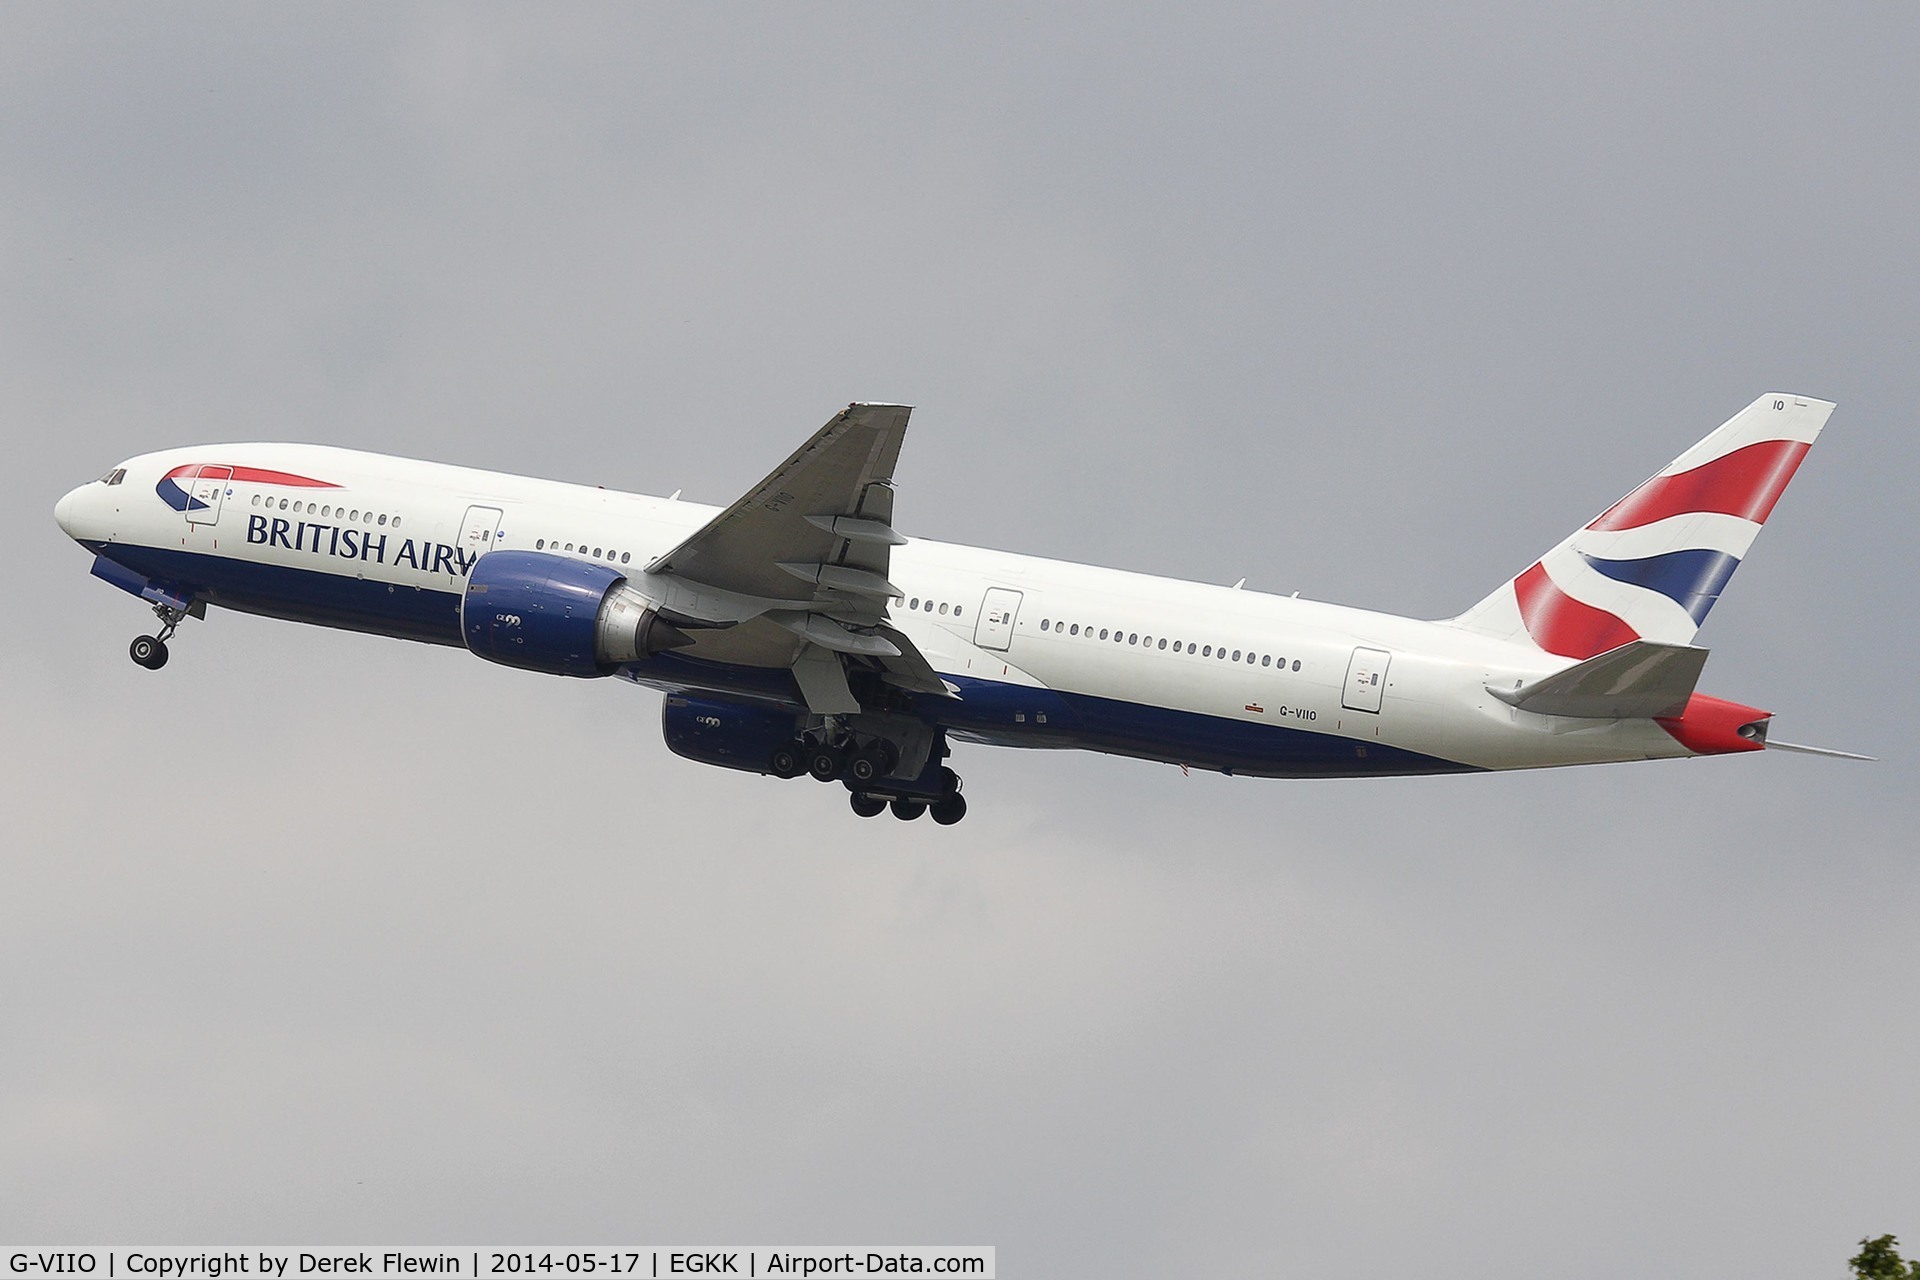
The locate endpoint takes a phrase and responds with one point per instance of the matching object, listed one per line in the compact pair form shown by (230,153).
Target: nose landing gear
(151,651)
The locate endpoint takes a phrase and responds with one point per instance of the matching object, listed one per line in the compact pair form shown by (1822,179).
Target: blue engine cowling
(733,735)
(538,612)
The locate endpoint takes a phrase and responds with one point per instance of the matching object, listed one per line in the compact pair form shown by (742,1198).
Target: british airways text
(356,544)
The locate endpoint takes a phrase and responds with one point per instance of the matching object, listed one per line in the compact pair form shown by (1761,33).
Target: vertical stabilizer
(1653,564)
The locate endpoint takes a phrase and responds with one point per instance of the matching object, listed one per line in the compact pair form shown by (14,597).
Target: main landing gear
(946,811)
(865,767)
(151,651)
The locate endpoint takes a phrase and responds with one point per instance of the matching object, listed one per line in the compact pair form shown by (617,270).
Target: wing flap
(909,668)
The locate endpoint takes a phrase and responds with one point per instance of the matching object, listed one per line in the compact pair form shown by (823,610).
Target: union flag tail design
(1652,564)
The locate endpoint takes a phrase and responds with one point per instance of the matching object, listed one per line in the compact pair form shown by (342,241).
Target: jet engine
(558,615)
(733,735)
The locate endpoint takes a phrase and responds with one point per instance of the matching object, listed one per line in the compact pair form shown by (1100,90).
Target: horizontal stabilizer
(1639,680)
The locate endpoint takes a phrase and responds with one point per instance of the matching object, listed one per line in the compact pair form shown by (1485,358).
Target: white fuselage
(1089,657)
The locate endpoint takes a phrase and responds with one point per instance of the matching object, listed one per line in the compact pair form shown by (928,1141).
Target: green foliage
(1880,1260)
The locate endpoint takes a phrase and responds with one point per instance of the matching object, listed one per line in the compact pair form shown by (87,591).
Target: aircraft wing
(817,531)
(817,535)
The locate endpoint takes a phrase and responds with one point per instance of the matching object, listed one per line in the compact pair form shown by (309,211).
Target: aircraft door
(205,492)
(994,630)
(477,534)
(1366,680)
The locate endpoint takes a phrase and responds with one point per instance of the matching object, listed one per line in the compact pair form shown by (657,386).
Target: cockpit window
(114,476)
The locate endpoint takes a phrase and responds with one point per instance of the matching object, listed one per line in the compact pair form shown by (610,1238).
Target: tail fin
(1652,565)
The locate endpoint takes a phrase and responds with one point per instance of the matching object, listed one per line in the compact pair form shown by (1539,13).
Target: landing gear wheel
(824,763)
(149,651)
(789,760)
(948,809)
(865,766)
(907,810)
(867,806)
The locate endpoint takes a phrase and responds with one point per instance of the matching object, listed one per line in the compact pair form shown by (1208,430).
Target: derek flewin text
(483,1264)
(210,1266)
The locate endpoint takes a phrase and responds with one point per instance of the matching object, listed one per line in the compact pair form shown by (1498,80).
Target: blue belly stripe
(986,711)
(299,595)
(989,712)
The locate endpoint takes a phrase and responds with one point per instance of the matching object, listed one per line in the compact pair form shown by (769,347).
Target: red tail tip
(1714,726)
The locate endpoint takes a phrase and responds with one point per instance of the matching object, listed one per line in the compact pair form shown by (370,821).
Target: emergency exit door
(994,630)
(477,533)
(1366,680)
(205,492)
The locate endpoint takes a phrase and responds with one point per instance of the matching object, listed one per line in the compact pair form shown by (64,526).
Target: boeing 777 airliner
(797,631)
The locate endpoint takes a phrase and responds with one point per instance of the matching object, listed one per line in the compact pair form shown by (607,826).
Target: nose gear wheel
(151,651)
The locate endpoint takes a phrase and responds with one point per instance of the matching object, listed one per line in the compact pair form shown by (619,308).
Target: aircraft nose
(64,511)
(67,510)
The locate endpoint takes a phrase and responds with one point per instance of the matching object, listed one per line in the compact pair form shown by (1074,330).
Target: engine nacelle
(559,615)
(733,735)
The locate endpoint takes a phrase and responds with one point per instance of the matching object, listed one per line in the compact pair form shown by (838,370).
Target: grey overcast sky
(315,937)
